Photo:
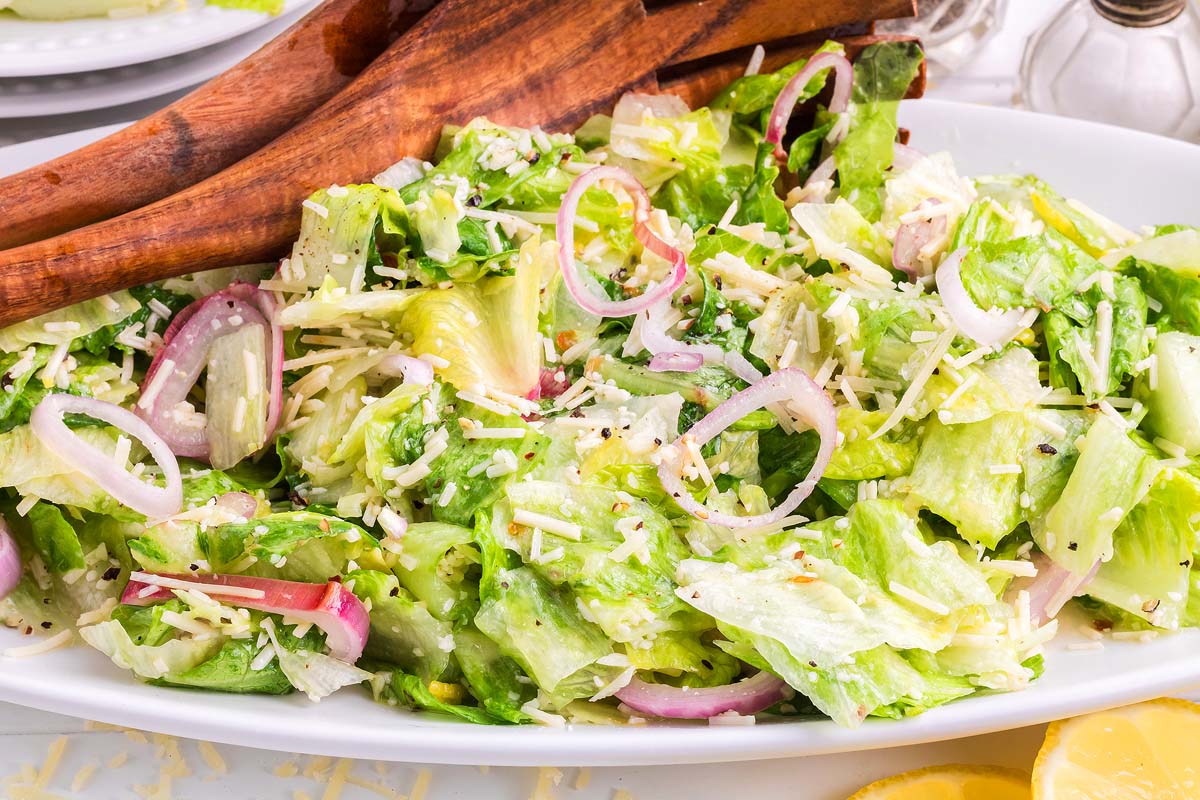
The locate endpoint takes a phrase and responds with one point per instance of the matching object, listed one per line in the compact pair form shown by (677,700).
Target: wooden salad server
(552,62)
(201,134)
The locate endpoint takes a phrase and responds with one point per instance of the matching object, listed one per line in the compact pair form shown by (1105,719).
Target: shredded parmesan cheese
(212,758)
(559,527)
(206,588)
(916,598)
(922,376)
(39,647)
(50,765)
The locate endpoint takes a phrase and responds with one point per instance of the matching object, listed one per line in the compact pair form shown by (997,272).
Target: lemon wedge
(950,782)
(1143,751)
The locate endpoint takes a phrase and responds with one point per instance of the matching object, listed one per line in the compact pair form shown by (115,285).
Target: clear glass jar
(1134,63)
(952,31)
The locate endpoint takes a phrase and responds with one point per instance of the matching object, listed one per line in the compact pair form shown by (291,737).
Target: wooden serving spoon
(552,62)
(201,134)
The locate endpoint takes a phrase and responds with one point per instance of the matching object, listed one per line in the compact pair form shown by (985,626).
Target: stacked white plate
(49,68)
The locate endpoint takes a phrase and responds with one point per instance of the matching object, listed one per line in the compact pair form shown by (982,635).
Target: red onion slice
(330,606)
(912,237)
(240,503)
(1053,586)
(552,381)
(10,561)
(739,365)
(903,156)
(750,696)
(820,183)
(796,392)
(676,362)
(650,328)
(414,370)
(823,172)
(843,80)
(129,490)
(565,232)
(986,328)
(185,348)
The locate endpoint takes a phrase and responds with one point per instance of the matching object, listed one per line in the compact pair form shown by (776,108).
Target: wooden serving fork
(553,62)
(204,132)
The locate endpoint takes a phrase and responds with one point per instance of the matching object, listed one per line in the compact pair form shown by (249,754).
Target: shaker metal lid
(1140,13)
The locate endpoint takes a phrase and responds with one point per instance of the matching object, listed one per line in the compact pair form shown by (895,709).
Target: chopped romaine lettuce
(403,632)
(882,74)
(68,324)
(481,460)
(174,656)
(486,331)
(970,475)
(1149,573)
(1110,477)
(1172,395)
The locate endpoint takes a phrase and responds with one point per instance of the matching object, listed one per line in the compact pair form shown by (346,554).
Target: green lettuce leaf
(630,598)
(346,223)
(882,74)
(235,409)
(1149,573)
(480,157)
(1176,247)
(396,687)
(271,7)
(751,97)
(54,539)
(1049,459)
(82,319)
(31,469)
(488,330)
(291,545)
(60,550)
(1040,271)
(494,679)
(953,476)
(403,632)
(1173,403)
(1079,347)
(540,627)
(840,234)
(788,623)
(440,569)
(311,671)
(99,341)
(231,670)
(151,662)
(1112,476)
(465,463)
(884,545)
(1175,286)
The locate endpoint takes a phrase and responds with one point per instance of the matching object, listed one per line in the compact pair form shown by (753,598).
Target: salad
(77,9)
(691,414)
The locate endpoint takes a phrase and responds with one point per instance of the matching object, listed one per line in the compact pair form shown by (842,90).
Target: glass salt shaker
(951,31)
(1134,63)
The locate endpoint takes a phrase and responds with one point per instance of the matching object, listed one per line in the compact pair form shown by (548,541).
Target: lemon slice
(951,782)
(1143,751)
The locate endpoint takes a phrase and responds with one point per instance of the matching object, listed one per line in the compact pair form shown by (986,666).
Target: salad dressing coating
(851,464)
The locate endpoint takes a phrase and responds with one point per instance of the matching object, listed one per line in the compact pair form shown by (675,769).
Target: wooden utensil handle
(199,135)
(729,24)
(463,59)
